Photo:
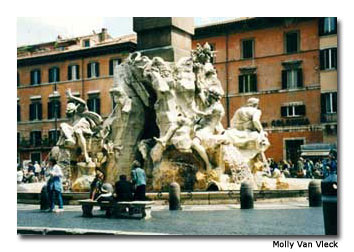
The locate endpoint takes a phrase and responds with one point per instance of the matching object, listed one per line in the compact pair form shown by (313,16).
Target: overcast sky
(34,30)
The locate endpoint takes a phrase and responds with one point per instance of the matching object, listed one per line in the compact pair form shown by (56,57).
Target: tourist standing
(19,174)
(54,185)
(139,180)
(37,169)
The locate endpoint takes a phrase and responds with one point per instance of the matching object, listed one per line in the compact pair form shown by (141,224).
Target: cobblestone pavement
(272,218)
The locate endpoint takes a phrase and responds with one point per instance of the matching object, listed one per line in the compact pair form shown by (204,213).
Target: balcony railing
(329,118)
(40,143)
(290,122)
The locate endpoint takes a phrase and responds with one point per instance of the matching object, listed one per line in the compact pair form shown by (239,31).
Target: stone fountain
(168,116)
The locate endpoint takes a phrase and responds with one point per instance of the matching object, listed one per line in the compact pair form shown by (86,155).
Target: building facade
(281,61)
(44,73)
(288,63)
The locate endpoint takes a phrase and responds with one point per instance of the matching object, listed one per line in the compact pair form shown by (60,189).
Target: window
(87,43)
(53,75)
(328,59)
(328,25)
(18,139)
(53,136)
(36,110)
(35,138)
(36,156)
(247,83)
(293,110)
(18,79)
(292,78)
(112,64)
(73,72)
(54,108)
(329,103)
(293,149)
(292,42)
(247,49)
(94,103)
(93,70)
(18,112)
(35,77)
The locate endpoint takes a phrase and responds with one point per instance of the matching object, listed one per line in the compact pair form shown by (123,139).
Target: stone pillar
(246,195)
(315,196)
(174,196)
(167,37)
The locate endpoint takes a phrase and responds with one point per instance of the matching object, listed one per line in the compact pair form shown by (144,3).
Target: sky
(34,30)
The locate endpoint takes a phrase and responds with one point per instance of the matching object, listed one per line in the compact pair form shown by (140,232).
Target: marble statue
(168,116)
(83,124)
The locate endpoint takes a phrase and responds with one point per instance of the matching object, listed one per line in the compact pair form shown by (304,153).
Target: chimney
(104,34)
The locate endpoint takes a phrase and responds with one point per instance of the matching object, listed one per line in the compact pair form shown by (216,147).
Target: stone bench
(119,209)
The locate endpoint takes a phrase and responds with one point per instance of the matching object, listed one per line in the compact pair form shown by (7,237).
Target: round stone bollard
(315,197)
(175,196)
(246,195)
(44,199)
(329,201)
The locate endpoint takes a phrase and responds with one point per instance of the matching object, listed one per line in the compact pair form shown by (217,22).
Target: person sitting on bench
(106,194)
(123,189)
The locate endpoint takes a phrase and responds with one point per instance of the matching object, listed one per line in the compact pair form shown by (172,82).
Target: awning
(315,153)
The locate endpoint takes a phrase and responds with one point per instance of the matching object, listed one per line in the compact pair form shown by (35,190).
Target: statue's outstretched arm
(75,99)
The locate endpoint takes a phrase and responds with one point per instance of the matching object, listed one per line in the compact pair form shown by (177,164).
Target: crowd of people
(305,168)
(32,173)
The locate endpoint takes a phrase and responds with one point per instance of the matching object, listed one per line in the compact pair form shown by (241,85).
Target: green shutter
(284,79)
(240,89)
(50,110)
(111,67)
(299,78)
(97,66)
(89,70)
(69,72)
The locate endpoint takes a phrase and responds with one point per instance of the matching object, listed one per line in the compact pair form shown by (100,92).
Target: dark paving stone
(306,221)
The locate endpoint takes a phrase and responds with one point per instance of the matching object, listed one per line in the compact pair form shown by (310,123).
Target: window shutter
(89,104)
(322,59)
(58,74)
(334,57)
(323,103)
(18,112)
(89,70)
(50,110)
(284,77)
(58,109)
(97,66)
(321,26)
(39,111)
(69,72)
(334,101)
(240,88)
(77,72)
(299,78)
(50,75)
(300,110)
(32,77)
(335,26)
(31,111)
(39,77)
(98,104)
(254,83)
(283,110)
(111,67)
